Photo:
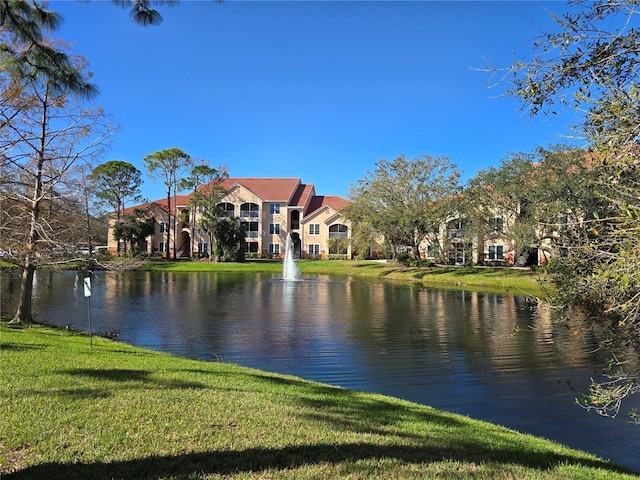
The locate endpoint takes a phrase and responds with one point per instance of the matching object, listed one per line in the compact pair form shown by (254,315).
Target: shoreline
(126,412)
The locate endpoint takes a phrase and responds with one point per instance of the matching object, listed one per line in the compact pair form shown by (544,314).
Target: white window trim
(274,229)
(498,220)
(254,243)
(314,229)
(497,258)
(274,248)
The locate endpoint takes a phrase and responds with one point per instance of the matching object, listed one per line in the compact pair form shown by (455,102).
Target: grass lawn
(116,411)
(522,281)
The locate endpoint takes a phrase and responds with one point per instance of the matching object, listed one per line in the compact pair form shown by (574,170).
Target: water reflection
(484,355)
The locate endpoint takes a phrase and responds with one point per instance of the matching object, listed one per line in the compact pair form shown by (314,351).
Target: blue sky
(316,90)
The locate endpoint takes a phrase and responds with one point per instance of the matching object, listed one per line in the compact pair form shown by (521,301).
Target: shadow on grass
(125,375)
(82,393)
(345,410)
(196,465)
(13,347)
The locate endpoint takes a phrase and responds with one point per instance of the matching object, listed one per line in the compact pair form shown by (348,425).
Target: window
(338,248)
(164,227)
(249,210)
(314,249)
(338,231)
(226,209)
(250,247)
(274,229)
(433,250)
(457,228)
(274,208)
(274,248)
(203,248)
(162,247)
(295,220)
(496,252)
(496,224)
(250,229)
(314,229)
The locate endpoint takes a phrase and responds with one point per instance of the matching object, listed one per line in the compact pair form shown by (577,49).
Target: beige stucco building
(268,209)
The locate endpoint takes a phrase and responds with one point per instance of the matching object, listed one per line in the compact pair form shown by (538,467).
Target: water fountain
(290,270)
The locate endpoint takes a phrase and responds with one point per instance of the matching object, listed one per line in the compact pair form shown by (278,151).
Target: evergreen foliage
(590,63)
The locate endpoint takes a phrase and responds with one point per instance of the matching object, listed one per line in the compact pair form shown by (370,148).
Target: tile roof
(268,189)
(333,201)
(181,200)
(289,190)
(159,203)
(302,195)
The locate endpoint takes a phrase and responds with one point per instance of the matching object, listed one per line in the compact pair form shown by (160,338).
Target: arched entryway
(183,245)
(297,245)
(295,220)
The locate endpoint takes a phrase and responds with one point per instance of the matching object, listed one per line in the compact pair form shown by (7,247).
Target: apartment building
(458,242)
(268,209)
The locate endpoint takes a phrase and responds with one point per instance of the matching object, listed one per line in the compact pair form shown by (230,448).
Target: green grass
(117,411)
(512,280)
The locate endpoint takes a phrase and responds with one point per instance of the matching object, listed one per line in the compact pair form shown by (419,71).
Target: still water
(483,355)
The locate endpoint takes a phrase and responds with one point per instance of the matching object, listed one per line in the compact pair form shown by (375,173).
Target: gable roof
(162,204)
(181,200)
(267,189)
(335,202)
(303,194)
(288,190)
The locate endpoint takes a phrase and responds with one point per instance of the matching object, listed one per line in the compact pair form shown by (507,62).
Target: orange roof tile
(333,201)
(289,190)
(159,203)
(181,200)
(302,195)
(268,189)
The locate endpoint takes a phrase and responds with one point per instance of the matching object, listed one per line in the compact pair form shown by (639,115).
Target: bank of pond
(117,411)
(479,353)
(523,281)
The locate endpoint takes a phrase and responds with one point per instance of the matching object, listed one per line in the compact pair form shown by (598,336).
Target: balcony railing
(338,234)
(456,233)
(249,214)
(251,234)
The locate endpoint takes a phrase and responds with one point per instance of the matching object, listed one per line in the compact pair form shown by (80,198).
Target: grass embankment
(522,281)
(118,411)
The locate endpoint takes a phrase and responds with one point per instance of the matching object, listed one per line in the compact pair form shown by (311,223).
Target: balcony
(252,235)
(249,214)
(338,234)
(456,233)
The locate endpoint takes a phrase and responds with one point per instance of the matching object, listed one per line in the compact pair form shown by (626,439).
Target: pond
(483,355)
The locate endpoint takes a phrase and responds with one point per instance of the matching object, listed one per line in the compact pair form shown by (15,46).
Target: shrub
(403,257)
